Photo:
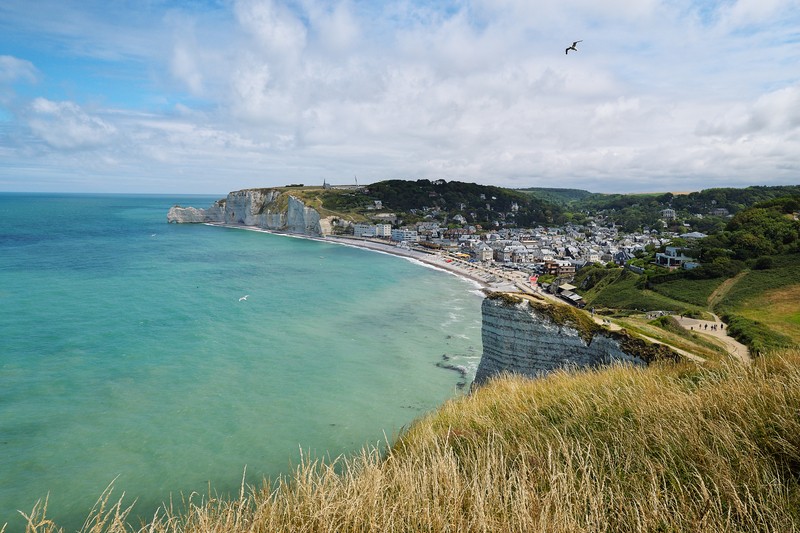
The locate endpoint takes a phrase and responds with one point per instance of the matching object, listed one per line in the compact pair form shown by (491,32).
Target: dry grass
(668,448)
(784,310)
(684,340)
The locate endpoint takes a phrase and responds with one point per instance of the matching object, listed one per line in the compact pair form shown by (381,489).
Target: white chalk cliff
(263,208)
(534,339)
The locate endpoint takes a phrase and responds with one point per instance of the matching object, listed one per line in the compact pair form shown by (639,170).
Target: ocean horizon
(168,359)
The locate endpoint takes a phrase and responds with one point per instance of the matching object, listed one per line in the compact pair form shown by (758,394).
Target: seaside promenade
(488,277)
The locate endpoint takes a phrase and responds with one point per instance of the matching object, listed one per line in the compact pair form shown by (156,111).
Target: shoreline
(485,277)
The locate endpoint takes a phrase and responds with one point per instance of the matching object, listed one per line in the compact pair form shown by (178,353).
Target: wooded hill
(635,212)
(478,204)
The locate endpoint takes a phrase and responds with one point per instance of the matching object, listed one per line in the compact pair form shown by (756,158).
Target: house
(622,257)
(559,268)
(672,257)
(484,252)
(668,214)
(383,230)
(694,235)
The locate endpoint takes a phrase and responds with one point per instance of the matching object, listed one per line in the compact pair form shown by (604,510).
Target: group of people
(714,327)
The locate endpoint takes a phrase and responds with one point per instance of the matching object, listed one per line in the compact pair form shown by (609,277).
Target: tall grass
(666,448)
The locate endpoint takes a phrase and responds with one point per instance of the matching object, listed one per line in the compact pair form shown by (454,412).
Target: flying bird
(573,47)
(244,298)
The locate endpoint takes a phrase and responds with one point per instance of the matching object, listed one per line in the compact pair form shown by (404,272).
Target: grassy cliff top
(342,203)
(671,447)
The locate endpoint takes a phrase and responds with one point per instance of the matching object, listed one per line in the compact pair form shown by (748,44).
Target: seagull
(573,47)
(244,298)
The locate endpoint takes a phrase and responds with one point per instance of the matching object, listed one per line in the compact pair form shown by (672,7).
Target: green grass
(664,448)
(744,306)
(693,291)
(618,290)
(784,273)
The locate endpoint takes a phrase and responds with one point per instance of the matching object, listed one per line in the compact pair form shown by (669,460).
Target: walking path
(616,327)
(717,330)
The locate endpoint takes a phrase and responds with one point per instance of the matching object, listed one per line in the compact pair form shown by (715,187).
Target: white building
(484,252)
(383,230)
(407,235)
(363,230)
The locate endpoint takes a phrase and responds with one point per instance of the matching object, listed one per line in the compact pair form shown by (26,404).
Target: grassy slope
(618,291)
(693,291)
(666,448)
(345,204)
(667,330)
(746,302)
(784,306)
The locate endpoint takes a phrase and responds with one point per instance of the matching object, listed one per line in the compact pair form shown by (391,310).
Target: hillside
(706,211)
(561,197)
(590,451)
(479,204)
(742,303)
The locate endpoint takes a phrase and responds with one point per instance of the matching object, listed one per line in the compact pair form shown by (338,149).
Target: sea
(174,361)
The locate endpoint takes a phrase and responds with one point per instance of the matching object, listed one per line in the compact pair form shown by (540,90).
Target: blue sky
(209,96)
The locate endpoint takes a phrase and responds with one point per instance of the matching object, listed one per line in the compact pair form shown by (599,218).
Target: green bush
(763,263)
(756,336)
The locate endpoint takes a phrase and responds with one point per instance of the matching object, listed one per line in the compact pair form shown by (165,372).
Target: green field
(764,305)
(693,291)
(619,289)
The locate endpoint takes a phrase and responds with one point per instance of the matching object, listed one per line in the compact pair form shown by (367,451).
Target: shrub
(756,336)
(763,263)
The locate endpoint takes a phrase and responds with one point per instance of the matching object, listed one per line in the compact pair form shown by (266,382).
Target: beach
(488,277)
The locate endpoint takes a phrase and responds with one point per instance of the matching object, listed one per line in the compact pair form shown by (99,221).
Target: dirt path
(616,327)
(717,330)
(723,289)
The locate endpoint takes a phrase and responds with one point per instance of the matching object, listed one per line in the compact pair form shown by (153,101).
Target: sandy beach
(485,276)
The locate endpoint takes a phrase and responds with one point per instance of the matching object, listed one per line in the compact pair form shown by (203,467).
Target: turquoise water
(125,353)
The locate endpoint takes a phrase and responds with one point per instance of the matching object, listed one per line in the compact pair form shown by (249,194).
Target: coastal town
(515,258)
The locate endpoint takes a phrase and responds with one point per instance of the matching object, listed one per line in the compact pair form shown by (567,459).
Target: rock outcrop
(532,337)
(263,208)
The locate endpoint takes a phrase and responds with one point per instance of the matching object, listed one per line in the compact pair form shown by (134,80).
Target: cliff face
(535,339)
(264,208)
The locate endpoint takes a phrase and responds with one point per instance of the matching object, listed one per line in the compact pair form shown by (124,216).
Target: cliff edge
(525,335)
(264,208)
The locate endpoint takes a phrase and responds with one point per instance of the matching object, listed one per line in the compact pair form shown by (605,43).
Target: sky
(209,96)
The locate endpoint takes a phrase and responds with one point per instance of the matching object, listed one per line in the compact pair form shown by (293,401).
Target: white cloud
(280,34)
(752,12)
(478,90)
(337,27)
(777,112)
(64,125)
(13,69)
